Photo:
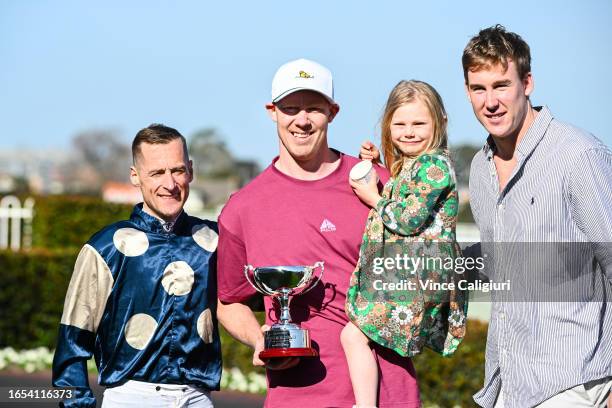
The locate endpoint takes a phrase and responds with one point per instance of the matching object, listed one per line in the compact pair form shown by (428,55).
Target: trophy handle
(312,285)
(253,283)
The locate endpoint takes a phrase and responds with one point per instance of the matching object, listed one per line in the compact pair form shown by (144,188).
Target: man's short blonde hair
(495,45)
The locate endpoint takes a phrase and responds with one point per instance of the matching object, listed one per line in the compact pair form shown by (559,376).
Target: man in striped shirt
(540,181)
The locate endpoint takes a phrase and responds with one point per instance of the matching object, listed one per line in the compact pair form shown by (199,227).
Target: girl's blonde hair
(405,92)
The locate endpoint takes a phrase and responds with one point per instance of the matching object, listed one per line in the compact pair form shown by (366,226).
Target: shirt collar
(535,133)
(532,137)
(147,222)
(489,147)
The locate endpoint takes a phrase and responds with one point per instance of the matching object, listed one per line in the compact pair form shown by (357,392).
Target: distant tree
(21,185)
(100,156)
(462,156)
(211,158)
(105,153)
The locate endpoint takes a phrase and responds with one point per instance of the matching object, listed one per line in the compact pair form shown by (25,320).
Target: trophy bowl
(285,339)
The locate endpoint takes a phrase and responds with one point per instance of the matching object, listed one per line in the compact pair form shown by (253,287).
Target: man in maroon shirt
(298,211)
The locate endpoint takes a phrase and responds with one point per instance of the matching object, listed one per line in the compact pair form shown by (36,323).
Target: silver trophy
(285,339)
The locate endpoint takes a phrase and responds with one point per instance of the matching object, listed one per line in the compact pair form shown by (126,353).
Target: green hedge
(465,213)
(33,286)
(69,221)
(34,283)
(451,381)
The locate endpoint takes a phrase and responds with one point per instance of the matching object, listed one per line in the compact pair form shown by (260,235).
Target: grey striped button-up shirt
(560,191)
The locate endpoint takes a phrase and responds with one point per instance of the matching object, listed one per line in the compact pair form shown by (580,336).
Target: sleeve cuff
(380,205)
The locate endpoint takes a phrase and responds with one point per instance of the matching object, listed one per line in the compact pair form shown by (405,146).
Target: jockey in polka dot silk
(142,300)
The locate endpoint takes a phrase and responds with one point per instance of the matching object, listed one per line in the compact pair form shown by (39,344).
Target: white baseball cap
(299,75)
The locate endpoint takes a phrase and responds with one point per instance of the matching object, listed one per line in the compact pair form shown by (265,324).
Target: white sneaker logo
(327,226)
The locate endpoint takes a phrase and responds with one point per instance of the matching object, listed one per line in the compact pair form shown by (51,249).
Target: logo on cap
(304,74)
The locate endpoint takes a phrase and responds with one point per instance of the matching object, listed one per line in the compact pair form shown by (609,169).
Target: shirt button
(157,388)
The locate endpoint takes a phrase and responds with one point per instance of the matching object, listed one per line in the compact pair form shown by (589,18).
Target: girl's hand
(369,151)
(368,193)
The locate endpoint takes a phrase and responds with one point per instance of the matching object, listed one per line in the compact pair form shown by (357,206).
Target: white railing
(15,220)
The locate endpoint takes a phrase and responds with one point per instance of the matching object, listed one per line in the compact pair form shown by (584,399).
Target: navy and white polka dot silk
(142,300)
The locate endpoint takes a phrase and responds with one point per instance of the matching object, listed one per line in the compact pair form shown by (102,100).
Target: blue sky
(67,66)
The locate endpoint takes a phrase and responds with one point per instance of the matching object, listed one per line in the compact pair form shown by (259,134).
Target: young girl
(413,219)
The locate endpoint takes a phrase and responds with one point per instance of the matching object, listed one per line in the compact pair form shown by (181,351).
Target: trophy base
(288,352)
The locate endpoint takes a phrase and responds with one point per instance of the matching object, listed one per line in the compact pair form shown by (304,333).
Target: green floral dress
(409,244)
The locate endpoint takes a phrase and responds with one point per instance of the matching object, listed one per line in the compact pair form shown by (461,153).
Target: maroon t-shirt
(279,220)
